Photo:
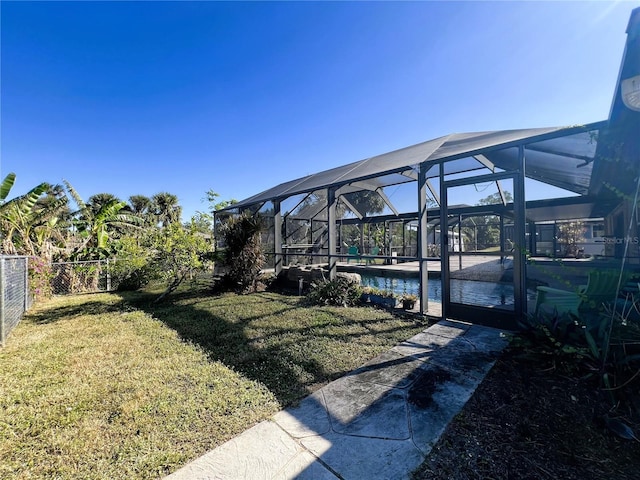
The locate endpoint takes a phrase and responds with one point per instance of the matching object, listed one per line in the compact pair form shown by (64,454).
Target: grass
(109,386)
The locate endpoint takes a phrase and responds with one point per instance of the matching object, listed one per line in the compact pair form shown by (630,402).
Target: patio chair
(374,251)
(601,287)
(354,253)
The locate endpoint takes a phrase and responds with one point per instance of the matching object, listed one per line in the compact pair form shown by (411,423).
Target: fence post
(108,277)
(2,333)
(26,283)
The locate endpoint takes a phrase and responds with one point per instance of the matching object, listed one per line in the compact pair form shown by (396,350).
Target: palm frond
(109,210)
(76,197)
(128,219)
(24,204)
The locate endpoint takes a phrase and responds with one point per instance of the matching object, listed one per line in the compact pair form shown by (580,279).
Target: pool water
(469,292)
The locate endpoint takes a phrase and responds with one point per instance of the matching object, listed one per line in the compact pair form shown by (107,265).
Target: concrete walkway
(378,422)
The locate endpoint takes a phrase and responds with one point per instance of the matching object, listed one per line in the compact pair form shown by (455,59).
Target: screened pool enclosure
(516,209)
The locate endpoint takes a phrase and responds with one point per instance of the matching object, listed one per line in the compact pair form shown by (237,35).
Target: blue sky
(142,97)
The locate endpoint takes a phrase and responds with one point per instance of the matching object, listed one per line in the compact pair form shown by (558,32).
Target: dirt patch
(526,421)
(421,392)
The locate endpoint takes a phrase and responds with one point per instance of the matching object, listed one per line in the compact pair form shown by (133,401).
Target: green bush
(132,269)
(561,336)
(341,292)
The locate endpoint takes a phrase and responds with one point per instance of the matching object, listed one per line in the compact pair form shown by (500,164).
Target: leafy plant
(613,339)
(408,300)
(40,276)
(559,336)
(605,343)
(371,291)
(340,291)
(6,185)
(132,269)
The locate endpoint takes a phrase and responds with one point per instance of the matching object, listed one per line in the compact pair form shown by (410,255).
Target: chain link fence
(66,278)
(81,277)
(15,298)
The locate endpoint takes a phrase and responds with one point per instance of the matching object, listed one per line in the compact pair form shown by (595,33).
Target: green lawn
(112,386)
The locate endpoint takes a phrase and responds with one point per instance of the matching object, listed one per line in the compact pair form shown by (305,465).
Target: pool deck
(489,268)
(488,264)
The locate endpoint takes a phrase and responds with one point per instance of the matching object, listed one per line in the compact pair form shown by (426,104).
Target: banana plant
(23,223)
(94,224)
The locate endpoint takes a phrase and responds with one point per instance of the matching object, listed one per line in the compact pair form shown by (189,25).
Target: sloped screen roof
(559,156)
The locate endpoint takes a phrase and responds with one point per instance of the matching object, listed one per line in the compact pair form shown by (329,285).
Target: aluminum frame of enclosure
(485,149)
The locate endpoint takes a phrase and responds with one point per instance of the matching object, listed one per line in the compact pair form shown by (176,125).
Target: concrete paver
(365,458)
(259,453)
(378,422)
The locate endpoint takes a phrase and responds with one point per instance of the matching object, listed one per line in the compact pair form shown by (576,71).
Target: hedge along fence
(81,277)
(15,298)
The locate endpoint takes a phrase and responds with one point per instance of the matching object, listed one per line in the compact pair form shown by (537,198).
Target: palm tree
(97,201)
(51,213)
(165,208)
(140,205)
(243,255)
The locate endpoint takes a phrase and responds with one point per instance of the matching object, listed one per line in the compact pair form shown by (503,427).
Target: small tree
(243,256)
(214,203)
(365,201)
(180,252)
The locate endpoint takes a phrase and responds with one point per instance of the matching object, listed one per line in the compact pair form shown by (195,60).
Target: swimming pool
(470,292)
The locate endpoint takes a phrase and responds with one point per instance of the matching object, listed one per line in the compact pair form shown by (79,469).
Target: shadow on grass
(93,307)
(274,340)
(263,358)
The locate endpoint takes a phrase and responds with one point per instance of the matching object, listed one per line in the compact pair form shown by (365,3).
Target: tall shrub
(243,255)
